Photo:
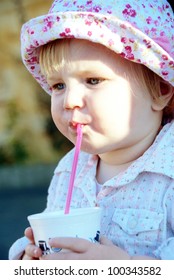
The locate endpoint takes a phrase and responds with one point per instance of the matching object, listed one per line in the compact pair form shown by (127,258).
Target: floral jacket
(137,205)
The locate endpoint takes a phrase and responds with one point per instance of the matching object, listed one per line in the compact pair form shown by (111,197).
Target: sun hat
(140,31)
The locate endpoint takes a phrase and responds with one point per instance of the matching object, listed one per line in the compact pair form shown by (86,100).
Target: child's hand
(85,250)
(32,252)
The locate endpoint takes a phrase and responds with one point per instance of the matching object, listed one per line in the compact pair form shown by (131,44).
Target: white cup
(80,223)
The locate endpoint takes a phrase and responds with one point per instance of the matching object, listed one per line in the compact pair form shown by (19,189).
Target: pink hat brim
(117,35)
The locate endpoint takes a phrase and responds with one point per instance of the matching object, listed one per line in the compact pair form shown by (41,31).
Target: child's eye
(59,86)
(94,81)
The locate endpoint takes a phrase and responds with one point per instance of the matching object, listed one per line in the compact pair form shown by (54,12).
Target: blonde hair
(54,55)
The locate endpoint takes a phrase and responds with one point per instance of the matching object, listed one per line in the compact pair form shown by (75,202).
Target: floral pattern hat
(140,31)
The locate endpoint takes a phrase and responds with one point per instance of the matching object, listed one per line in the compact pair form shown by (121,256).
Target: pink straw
(74,167)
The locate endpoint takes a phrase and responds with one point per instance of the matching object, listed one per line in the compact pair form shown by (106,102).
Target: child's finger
(71,243)
(29,234)
(105,241)
(32,252)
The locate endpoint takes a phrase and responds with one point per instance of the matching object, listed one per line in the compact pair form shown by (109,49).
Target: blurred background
(30,145)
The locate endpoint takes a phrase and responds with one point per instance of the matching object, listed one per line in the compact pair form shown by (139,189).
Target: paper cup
(80,223)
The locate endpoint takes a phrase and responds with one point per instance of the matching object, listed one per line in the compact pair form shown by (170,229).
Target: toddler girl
(109,65)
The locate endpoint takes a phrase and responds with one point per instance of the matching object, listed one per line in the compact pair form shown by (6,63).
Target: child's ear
(166,93)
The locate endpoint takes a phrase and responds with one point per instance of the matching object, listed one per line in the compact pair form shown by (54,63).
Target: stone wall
(23,105)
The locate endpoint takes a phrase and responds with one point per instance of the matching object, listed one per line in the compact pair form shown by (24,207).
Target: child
(109,65)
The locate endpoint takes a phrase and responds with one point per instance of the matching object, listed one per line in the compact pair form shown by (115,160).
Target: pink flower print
(111,42)
(89,33)
(122,54)
(129,12)
(153,30)
(165,73)
(123,26)
(97,9)
(128,49)
(48,21)
(36,43)
(132,13)
(164,57)
(171,63)
(125,12)
(146,30)
(162,65)
(148,238)
(32,61)
(49,24)
(64,34)
(97,21)
(148,44)
(130,56)
(66,4)
(67,30)
(160,9)
(31,47)
(87,22)
(149,20)
(44,29)
(124,40)
(131,40)
(109,12)
(128,53)
(80,7)
(156,22)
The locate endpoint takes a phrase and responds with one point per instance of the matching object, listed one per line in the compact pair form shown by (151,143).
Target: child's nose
(73,98)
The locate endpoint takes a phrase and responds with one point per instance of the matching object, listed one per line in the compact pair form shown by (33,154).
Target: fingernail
(50,241)
(35,252)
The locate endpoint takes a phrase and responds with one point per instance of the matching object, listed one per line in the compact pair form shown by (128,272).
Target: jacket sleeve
(166,250)
(18,247)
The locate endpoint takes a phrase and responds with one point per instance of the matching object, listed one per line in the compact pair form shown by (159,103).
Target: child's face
(95,87)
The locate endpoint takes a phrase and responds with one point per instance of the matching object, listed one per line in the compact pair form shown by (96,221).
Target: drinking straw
(74,167)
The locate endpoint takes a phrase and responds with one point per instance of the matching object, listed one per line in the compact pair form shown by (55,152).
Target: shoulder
(167,132)
(159,157)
